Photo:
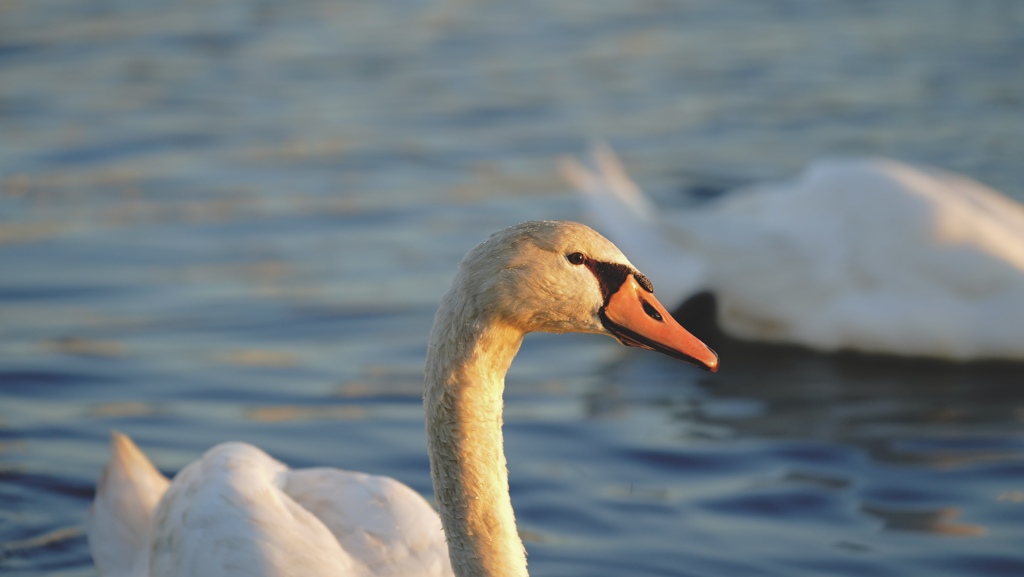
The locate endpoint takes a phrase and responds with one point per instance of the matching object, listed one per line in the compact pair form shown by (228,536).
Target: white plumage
(238,512)
(872,255)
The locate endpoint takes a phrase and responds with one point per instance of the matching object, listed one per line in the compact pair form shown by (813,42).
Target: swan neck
(467,360)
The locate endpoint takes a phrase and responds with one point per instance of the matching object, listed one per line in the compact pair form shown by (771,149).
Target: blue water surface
(234,220)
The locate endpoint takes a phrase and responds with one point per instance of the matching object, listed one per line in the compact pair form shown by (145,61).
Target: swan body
(236,511)
(871,255)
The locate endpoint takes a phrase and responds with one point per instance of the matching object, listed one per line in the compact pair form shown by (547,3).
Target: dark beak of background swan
(637,319)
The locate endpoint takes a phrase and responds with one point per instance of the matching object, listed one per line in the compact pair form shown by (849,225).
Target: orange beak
(637,319)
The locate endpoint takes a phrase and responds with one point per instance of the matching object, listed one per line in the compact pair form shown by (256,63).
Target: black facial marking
(611,276)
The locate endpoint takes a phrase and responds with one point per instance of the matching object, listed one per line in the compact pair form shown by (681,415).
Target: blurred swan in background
(237,511)
(864,254)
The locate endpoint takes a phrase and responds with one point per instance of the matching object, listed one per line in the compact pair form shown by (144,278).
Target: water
(233,221)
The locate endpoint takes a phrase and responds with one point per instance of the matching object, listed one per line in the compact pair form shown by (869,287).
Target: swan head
(560,276)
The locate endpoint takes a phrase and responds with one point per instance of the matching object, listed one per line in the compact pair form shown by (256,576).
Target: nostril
(651,311)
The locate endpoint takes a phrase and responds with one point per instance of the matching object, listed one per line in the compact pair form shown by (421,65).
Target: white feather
(121,515)
(865,254)
(238,512)
(622,211)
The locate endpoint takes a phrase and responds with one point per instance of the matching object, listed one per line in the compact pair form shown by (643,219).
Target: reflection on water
(234,221)
(85,347)
(123,409)
(259,358)
(53,538)
(893,446)
(279,414)
(940,521)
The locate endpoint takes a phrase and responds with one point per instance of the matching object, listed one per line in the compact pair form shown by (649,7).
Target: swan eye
(576,258)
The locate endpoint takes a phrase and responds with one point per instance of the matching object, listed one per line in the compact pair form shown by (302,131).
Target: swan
(237,511)
(862,254)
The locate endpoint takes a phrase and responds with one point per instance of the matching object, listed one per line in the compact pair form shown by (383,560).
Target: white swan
(236,511)
(863,254)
